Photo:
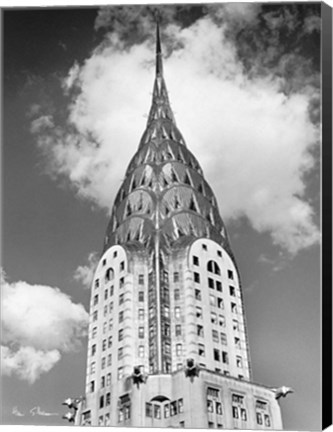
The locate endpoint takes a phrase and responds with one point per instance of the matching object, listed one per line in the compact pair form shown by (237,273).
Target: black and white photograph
(161,215)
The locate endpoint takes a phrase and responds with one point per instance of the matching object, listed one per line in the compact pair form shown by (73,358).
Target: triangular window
(193,205)
(173,176)
(187,179)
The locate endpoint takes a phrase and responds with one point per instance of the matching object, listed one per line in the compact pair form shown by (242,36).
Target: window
(213,267)
(121,316)
(213,318)
(92,386)
(120,353)
(141,332)
(235,325)
(106,292)
(149,410)
(109,274)
(141,296)
(97,283)
(121,299)
(219,253)
(239,362)
(182,424)
(233,308)
(200,330)
(121,282)
(105,311)
(216,354)
(141,279)
(115,253)
(94,332)
(210,425)
(103,363)
(215,335)
(196,277)
(95,316)
(267,420)
(105,324)
(212,300)
(103,382)
(120,373)
(176,294)
(166,410)
(141,314)
(92,367)
(179,350)
(110,324)
(232,291)
(111,290)
(177,312)
(176,277)
(197,294)
(104,262)
(104,345)
(167,348)
(122,266)
(225,358)
(223,338)
(141,351)
(259,418)
(108,399)
(201,350)
(235,412)
(230,274)
(120,335)
(101,402)
(173,408)
(218,408)
(221,321)
(218,286)
(198,312)
(95,299)
(178,330)
(243,414)
(157,411)
(237,342)
(108,379)
(210,406)
(204,247)
(93,350)
(220,304)
(211,283)
(166,311)
(195,260)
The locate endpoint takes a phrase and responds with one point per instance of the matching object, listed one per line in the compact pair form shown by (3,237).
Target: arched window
(213,267)
(109,274)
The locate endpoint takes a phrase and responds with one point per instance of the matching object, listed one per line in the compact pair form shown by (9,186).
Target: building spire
(159,63)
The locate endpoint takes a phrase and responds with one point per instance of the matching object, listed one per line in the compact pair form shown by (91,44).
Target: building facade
(167,342)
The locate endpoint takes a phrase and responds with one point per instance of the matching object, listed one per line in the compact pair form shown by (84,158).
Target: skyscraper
(167,335)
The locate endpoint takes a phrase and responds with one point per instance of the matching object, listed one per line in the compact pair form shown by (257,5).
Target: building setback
(167,335)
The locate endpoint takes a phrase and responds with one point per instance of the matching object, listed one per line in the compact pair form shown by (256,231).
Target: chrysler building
(168,343)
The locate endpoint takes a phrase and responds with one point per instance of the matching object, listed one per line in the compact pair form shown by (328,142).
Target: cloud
(85,273)
(245,117)
(39,324)
(16,412)
(38,411)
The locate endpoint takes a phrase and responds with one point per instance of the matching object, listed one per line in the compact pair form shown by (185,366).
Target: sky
(244,85)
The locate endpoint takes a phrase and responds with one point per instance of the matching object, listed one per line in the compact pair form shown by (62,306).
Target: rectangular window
(215,335)
(267,420)
(111,290)
(166,410)
(94,332)
(177,312)
(157,411)
(213,318)
(110,307)
(210,425)
(176,294)
(225,358)
(141,332)
(121,316)
(103,363)
(95,316)
(243,414)
(195,260)
(173,408)
(120,335)
(176,277)
(166,329)
(141,314)
(106,292)
(259,418)
(232,291)
(204,247)
(219,253)
(105,312)
(92,367)
(235,325)
(235,412)
(104,345)
(198,312)
(104,262)
(97,283)
(233,308)
(109,341)
(121,299)
(105,324)
(221,321)
(120,373)
(108,399)
(210,406)
(108,379)
(223,338)
(237,342)
(196,277)
(212,300)
(178,330)
(110,324)
(115,253)
(102,382)
(122,266)
(141,351)
(230,274)
(220,304)
(167,348)
(239,362)
(197,294)
(121,282)
(218,407)
(120,353)
(201,350)
(179,350)
(141,279)
(95,299)
(92,386)
(166,311)
(149,410)
(216,354)
(101,402)
(210,283)
(93,350)
(182,424)
(218,286)
(200,330)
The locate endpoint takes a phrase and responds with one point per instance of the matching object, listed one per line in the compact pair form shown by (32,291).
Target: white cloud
(253,142)
(85,273)
(16,412)
(38,411)
(39,323)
